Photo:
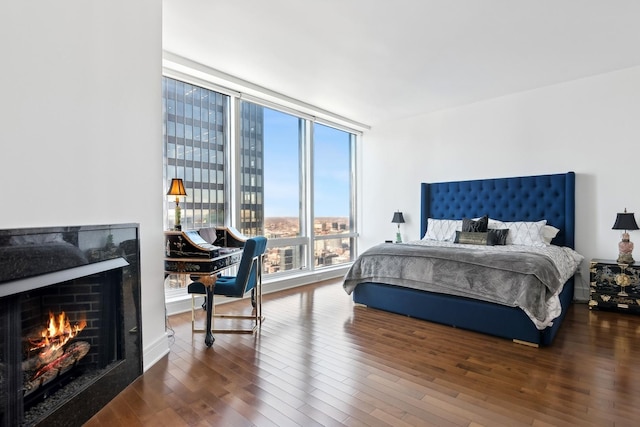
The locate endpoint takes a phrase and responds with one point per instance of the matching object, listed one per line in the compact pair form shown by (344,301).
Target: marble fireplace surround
(32,259)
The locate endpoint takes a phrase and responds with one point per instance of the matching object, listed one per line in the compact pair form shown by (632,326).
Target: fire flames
(47,358)
(58,332)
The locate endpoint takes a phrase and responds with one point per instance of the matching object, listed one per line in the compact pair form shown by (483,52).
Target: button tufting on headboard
(527,198)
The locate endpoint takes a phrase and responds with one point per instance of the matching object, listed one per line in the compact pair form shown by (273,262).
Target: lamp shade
(625,221)
(397,218)
(176,188)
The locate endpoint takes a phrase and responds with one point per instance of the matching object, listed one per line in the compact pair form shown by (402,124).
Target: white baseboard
(154,352)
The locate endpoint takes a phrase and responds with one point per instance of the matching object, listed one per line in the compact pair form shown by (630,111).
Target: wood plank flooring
(318,360)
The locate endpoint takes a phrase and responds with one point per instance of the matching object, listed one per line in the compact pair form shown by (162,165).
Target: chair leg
(193,314)
(258,296)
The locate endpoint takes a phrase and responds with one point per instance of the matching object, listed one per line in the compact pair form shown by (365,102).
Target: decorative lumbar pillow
(490,237)
(522,232)
(471,238)
(497,237)
(442,229)
(477,225)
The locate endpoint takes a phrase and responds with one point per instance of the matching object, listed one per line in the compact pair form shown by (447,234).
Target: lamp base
(177,226)
(398,237)
(625,259)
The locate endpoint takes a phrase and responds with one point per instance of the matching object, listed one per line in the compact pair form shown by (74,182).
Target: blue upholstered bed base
(530,198)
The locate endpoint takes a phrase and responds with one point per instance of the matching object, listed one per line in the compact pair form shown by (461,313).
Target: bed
(528,199)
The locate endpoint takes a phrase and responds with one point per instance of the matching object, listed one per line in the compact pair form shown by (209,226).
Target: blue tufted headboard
(525,198)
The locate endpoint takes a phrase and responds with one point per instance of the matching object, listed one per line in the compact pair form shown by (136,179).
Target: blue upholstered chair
(247,279)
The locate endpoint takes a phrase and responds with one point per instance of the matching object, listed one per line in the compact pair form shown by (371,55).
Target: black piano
(229,237)
(189,252)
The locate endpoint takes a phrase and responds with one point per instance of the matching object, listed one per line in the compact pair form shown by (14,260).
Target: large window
(332,190)
(272,204)
(196,138)
(279,174)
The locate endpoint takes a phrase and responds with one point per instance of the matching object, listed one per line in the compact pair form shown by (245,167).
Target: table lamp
(398,219)
(177,189)
(625,221)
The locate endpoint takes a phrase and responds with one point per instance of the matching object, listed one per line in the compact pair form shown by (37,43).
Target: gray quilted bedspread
(517,279)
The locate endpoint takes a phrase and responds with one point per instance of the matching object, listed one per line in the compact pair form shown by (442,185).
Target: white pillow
(548,233)
(522,232)
(442,229)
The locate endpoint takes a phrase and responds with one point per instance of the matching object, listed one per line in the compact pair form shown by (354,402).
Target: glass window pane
(270,164)
(171,151)
(284,258)
(186,105)
(332,194)
(332,251)
(331,180)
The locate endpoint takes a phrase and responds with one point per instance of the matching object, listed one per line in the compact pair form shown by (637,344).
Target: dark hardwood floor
(318,360)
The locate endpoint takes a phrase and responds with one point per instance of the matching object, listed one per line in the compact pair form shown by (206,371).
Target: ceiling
(373,61)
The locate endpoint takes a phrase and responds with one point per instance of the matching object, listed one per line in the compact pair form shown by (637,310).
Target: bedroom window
(265,170)
(333,163)
(302,200)
(195,144)
(273,207)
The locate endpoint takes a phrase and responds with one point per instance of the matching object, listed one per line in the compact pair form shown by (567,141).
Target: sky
(281,171)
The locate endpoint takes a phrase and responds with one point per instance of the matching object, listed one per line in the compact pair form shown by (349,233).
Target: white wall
(81,128)
(589,126)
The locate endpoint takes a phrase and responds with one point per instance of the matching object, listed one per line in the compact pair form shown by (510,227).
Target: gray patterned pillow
(475,226)
(497,237)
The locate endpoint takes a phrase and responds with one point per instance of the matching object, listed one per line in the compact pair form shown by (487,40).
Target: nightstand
(614,286)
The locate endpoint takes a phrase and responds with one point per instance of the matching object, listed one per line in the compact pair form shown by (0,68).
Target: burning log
(47,352)
(49,341)
(41,359)
(73,353)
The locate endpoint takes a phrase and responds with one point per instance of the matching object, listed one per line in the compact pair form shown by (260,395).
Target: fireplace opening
(70,332)
(69,321)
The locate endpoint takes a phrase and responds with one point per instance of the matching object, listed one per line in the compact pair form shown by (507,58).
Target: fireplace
(69,321)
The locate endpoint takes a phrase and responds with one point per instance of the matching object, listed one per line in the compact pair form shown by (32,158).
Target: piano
(190,252)
(229,237)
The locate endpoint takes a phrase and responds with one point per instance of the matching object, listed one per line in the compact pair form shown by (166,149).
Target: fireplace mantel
(34,282)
